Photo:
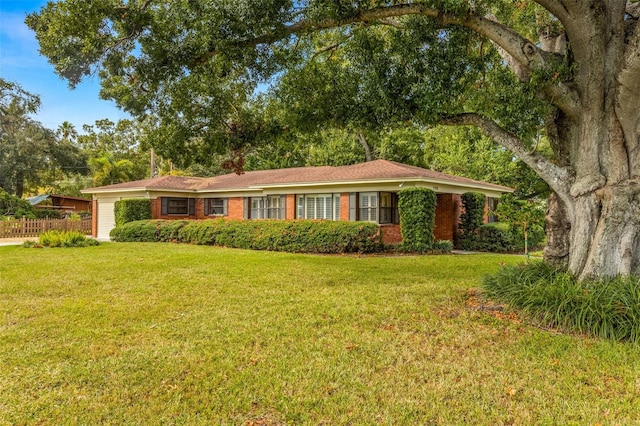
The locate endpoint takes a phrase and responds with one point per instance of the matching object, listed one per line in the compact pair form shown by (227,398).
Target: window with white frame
(368,206)
(318,206)
(215,207)
(265,207)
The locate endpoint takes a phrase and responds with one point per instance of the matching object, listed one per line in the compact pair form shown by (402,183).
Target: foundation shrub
(417,208)
(471,220)
(300,236)
(140,230)
(132,209)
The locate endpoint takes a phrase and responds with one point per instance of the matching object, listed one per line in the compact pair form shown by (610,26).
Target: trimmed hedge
(132,209)
(299,236)
(470,220)
(417,208)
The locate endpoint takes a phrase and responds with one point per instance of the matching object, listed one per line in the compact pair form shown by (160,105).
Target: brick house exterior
(360,192)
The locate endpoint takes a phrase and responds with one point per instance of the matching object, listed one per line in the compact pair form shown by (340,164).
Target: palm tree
(107,170)
(67,131)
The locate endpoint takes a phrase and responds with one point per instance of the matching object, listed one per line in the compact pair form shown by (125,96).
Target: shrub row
(299,236)
(554,298)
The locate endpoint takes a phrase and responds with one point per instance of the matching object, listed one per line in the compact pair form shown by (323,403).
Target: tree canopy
(29,152)
(513,69)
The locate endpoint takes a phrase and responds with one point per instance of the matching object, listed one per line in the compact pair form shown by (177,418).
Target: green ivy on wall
(417,208)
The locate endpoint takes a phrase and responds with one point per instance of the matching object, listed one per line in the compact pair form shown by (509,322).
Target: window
(178,206)
(386,208)
(368,206)
(273,207)
(215,207)
(319,206)
(266,207)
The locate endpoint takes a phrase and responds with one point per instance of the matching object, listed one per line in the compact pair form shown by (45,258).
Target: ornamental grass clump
(55,238)
(551,297)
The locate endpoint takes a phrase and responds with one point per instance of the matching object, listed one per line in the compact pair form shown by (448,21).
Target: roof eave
(136,189)
(478,185)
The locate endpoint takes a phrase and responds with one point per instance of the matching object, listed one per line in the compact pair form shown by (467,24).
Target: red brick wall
(94,218)
(290,207)
(155,208)
(235,208)
(448,210)
(391,234)
(344,206)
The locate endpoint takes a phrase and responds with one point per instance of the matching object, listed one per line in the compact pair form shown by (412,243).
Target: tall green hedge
(470,220)
(300,236)
(417,208)
(130,210)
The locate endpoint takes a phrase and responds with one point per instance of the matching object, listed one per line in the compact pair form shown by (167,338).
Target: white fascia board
(231,192)
(138,189)
(387,181)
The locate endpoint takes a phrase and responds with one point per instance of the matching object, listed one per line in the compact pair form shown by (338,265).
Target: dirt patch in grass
(477,302)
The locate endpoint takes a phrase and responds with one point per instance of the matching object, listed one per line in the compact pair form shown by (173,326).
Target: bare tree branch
(557,177)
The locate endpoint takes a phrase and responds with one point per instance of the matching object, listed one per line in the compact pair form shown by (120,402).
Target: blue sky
(21,63)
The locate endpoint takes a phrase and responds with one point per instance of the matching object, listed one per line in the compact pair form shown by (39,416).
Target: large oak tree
(507,67)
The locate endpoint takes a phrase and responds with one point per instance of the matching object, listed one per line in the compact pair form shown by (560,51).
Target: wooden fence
(24,228)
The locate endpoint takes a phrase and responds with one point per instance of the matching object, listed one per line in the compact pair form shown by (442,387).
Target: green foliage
(47,213)
(10,205)
(108,171)
(607,308)
(374,77)
(442,246)
(417,208)
(118,151)
(55,238)
(299,236)
(471,220)
(464,151)
(130,210)
(494,238)
(29,152)
(526,218)
(144,231)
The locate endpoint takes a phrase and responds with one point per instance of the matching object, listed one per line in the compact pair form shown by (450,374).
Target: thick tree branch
(558,178)
(557,9)
(517,46)
(523,54)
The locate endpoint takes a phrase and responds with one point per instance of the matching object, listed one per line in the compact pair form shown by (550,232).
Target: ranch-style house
(360,192)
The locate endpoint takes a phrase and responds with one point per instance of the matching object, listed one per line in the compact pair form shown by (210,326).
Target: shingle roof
(370,171)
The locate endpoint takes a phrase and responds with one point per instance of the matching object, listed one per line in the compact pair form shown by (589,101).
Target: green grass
(176,334)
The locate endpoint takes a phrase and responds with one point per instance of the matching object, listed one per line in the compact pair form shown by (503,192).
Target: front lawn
(134,333)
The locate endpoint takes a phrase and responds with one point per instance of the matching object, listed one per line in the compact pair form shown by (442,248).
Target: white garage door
(106,217)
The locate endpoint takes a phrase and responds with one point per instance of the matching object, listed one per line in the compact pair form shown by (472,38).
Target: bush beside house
(417,208)
(520,221)
(130,210)
(299,236)
(471,220)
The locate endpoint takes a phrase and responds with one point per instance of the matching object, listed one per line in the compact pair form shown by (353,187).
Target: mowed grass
(157,333)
